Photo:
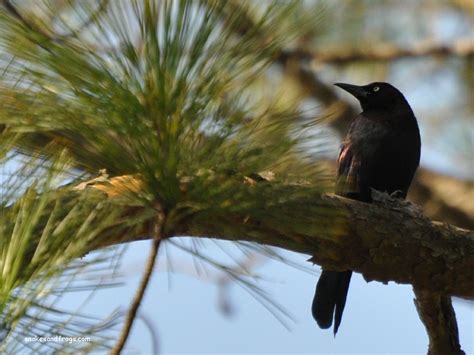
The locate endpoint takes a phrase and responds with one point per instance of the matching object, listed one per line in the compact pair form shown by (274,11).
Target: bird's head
(378,96)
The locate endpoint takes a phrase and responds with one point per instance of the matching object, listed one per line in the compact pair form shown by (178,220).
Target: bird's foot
(397,194)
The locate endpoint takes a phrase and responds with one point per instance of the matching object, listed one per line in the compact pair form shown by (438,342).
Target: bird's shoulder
(365,130)
(372,120)
(391,120)
(378,129)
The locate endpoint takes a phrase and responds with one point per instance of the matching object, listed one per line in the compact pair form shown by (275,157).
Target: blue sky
(379,319)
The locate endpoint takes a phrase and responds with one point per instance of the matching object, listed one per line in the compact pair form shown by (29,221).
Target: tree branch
(388,240)
(444,198)
(340,113)
(383,52)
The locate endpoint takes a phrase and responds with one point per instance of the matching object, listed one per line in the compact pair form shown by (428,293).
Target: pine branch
(385,241)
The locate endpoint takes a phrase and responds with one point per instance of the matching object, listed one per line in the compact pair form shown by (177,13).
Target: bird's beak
(357,91)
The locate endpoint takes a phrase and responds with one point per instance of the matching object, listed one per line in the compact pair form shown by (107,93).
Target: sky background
(183,307)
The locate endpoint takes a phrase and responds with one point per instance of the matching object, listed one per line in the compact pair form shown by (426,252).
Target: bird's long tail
(330,298)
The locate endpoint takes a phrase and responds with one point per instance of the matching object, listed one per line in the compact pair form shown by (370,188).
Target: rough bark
(437,314)
(399,246)
(388,240)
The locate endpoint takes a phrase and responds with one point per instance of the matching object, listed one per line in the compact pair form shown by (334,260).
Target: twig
(437,314)
(294,62)
(103,5)
(137,299)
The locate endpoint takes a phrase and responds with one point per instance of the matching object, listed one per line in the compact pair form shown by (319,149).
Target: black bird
(381,151)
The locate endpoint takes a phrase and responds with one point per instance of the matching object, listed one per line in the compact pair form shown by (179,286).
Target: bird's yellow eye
(376,88)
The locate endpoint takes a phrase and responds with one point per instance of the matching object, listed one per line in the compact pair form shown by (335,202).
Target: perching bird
(381,152)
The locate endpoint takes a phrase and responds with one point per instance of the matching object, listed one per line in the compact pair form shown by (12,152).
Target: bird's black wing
(366,160)
(347,177)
